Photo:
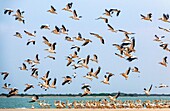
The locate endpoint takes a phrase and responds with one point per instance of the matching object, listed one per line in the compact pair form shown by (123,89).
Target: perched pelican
(12,92)
(75,16)
(148,17)
(9,11)
(95,58)
(24,67)
(75,46)
(30,34)
(135,69)
(113,98)
(70,60)
(45,27)
(125,75)
(67,79)
(28,86)
(52,10)
(31,41)
(147,92)
(164,62)
(17,34)
(68,7)
(69,39)
(46,41)
(98,36)
(86,41)
(161,86)
(34,99)
(64,30)
(5,74)
(52,48)
(107,78)
(53,85)
(111,28)
(166,30)
(103,18)
(165,18)
(56,30)
(36,60)
(52,57)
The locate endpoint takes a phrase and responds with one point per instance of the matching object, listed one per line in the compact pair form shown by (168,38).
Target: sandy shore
(85,109)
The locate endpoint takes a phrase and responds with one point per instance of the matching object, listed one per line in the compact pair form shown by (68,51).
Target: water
(22,102)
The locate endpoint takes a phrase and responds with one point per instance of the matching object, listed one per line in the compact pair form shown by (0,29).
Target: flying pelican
(147,92)
(85,62)
(126,38)
(130,59)
(20,20)
(135,69)
(67,79)
(68,7)
(85,86)
(165,47)
(74,55)
(53,85)
(161,86)
(79,37)
(113,98)
(46,84)
(165,18)
(6,86)
(45,77)
(52,48)
(5,74)
(148,17)
(34,99)
(95,58)
(86,91)
(86,41)
(111,28)
(119,55)
(88,76)
(45,26)
(31,41)
(36,60)
(75,16)
(64,30)
(30,34)
(98,36)
(108,12)
(95,74)
(69,39)
(17,34)
(107,78)
(29,61)
(76,66)
(56,30)
(70,60)
(103,18)
(126,32)
(75,46)
(12,92)
(117,11)
(9,11)
(52,10)
(28,86)
(18,14)
(46,41)
(34,73)
(158,39)
(125,75)
(52,57)
(24,67)
(164,61)
(164,29)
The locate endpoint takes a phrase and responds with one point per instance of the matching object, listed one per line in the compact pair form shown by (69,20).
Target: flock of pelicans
(126,50)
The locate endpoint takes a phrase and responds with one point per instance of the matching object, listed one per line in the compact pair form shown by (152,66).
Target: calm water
(22,102)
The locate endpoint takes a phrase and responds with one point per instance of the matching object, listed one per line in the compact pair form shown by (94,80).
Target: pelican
(79,37)
(135,69)
(46,84)
(108,12)
(34,99)
(17,34)
(36,60)
(28,86)
(74,55)
(20,20)
(107,78)
(34,73)
(12,92)
(45,77)
(30,34)
(164,62)
(147,92)
(64,30)
(126,38)
(68,7)
(95,58)
(126,32)
(46,41)
(125,75)
(86,92)
(5,74)
(95,74)
(9,11)
(52,48)
(148,17)
(67,79)
(31,41)
(69,39)
(52,10)
(45,27)
(164,29)
(76,66)
(111,28)
(165,47)
(88,76)
(6,86)
(158,39)
(98,36)
(103,18)
(75,16)
(161,86)
(56,30)
(85,86)
(130,59)
(85,62)
(53,85)
(75,46)
(18,14)
(70,60)
(51,57)
(29,61)
(119,55)
(24,67)
(117,11)
(113,98)
(165,18)
(86,41)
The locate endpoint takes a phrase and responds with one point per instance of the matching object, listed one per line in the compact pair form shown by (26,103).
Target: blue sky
(14,50)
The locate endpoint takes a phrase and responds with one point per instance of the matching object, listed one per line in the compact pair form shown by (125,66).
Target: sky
(14,50)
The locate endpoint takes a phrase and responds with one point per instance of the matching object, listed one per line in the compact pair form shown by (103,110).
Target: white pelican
(85,62)
(6,86)
(28,86)
(103,18)
(165,18)
(148,17)
(67,79)
(34,99)
(52,48)
(95,74)
(46,41)
(30,34)
(98,36)
(86,41)
(164,29)
(113,98)
(18,14)
(68,7)
(51,57)
(79,37)
(75,46)
(9,11)
(111,28)
(95,58)
(164,61)
(135,69)
(147,92)
(31,41)
(69,39)
(24,67)
(125,75)
(52,10)
(56,30)
(75,16)
(45,26)
(17,34)
(70,60)
(88,76)
(161,86)
(45,77)
(12,92)
(86,91)
(107,78)
(5,74)
(36,60)
(64,30)
(53,85)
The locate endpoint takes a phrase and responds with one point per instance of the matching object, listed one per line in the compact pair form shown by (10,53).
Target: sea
(23,102)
